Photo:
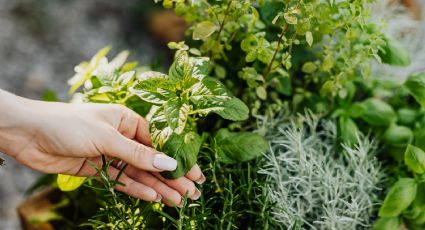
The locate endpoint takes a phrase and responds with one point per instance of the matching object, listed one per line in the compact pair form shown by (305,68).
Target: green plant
(173,103)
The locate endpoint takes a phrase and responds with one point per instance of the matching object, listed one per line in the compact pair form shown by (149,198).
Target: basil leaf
(234,110)
(414,158)
(394,53)
(398,136)
(184,148)
(348,131)
(232,147)
(377,112)
(387,223)
(208,91)
(415,84)
(406,116)
(400,196)
(176,114)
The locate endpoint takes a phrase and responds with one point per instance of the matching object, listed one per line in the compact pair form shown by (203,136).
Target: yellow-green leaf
(203,30)
(68,183)
(309,38)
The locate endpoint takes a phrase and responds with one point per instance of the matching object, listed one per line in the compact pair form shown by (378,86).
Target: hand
(60,138)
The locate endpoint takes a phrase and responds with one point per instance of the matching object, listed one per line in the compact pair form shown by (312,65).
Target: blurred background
(42,40)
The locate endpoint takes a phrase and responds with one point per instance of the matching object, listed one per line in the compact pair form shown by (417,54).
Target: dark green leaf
(400,196)
(234,110)
(415,84)
(184,148)
(233,147)
(414,158)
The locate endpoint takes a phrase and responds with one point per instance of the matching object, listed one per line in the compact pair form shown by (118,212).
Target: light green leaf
(309,67)
(387,223)
(414,158)
(400,196)
(261,92)
(234,110)
(203,30)
(415,84)
(176,114)
(184,148)
(377,112)
(180,67)
(234,147)
(398,136)
(290,18)
(209,90)
(348,131)
(394,53)
(309,38)
(68,183)
(153,90)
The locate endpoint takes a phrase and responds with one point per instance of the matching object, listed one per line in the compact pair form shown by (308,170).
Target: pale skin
(55,137)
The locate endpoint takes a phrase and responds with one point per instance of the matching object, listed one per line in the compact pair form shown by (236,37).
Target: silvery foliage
(314,184)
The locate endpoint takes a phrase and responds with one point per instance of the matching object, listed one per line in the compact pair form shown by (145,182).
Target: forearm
(14,116)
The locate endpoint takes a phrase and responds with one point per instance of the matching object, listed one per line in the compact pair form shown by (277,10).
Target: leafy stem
(269,66)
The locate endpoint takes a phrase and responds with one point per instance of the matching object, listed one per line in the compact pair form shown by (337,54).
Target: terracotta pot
(35,206)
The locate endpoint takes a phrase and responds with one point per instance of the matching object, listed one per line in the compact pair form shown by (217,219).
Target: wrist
(14,117)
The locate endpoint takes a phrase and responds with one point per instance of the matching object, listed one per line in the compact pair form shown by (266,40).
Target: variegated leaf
(176,114)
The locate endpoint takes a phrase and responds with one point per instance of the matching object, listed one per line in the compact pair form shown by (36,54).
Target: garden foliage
(279,57)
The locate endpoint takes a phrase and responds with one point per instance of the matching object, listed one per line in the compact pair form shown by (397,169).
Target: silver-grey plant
(315,183)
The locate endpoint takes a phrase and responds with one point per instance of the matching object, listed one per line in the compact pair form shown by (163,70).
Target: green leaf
(176,114)
(234,110)
(261,92)
(180,67)
(209,91)
(68,183)
(309,67)
(387,223)
(398,136)
(203,30)
(415,84)
(377,112)
(290,18)
(184,148)
(234,147)
(406,116)
(394,53)
(309,38)
(400,196)
(155,88)
(414,158)
(348,131)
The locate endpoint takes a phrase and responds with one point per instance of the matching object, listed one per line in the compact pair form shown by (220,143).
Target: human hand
(60,138)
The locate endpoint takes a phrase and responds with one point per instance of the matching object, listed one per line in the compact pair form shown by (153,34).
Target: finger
(171,197)
(195,174)
(183,185)
(131,187)
(133,126)
(134,188)
(139,155)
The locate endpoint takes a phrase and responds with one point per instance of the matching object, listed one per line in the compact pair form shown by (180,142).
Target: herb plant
(173,103)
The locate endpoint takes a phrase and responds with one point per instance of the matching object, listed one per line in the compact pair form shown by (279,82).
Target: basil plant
(173,103)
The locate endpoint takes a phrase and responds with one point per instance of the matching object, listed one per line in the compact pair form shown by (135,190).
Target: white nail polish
(158,198)
(163,162)
(201,180)
(196,195)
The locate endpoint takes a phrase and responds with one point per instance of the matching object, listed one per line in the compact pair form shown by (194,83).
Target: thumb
(139,155)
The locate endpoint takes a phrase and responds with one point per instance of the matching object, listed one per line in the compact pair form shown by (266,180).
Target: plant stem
(269,66)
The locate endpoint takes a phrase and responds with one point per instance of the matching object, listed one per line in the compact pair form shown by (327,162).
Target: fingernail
(158,198)
(201,180)
(163,162)
(196,195)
